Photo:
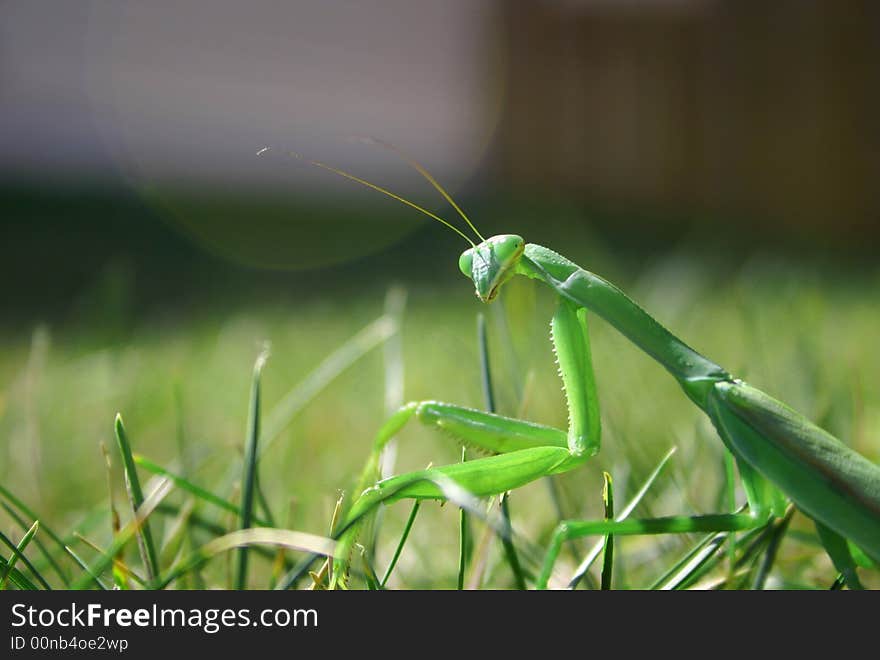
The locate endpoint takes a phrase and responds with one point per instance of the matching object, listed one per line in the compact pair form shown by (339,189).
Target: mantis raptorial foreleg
(525,451)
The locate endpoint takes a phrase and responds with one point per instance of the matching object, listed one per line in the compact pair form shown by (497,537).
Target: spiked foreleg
(545,447)
(571,343)
(474,428)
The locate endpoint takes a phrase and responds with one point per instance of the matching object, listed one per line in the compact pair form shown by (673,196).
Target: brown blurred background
(766,110)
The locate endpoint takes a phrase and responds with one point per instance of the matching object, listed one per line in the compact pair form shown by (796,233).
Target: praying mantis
(781,456)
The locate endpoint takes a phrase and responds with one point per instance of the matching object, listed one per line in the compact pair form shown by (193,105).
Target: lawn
(803,332)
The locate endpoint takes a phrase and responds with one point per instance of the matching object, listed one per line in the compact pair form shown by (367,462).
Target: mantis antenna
(380,189)
(421,170)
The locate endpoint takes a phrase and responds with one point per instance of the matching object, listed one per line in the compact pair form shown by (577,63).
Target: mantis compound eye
(466,262)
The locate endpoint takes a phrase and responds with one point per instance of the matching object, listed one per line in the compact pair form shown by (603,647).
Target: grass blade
(190,487)
(85,567)
(840,555)
(16,577)
(120,568)
(489,400)
(18,553)
(126,533)
(608,542)
(730,487)
(685,570)
(485,370)
(280,417)
(463,537)
(452,492)
(136,497)
(776,535)
(704,556)
(177,535)
(186,469)
(400,544)
(263,501)
(198,522)
(115,523)
(392,359)
(371,578)
(249,477)
(280,563)
(594,552)
(28,513)
(302,541)
(392,362)
(50,560)
(510,551)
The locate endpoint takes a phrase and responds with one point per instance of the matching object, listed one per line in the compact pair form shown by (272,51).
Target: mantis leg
(571,342)
(525,451)
(499,434)
(482,477)
(573,529)
(474,428)
(486,431)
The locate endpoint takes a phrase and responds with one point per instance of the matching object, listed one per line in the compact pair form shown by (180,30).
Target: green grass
(182,385)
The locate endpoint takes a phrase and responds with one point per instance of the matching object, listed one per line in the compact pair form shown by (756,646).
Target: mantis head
(491,263)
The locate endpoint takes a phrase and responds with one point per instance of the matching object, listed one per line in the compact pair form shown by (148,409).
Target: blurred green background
(717,160)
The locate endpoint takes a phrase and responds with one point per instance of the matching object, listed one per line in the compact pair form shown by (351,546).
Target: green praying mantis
(781,456)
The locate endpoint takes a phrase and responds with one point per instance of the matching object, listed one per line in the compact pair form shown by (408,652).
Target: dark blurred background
(130,130)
